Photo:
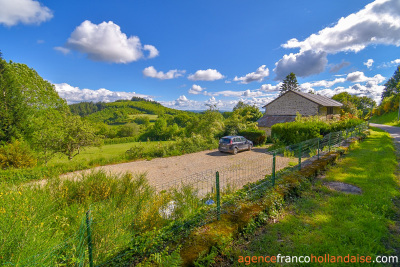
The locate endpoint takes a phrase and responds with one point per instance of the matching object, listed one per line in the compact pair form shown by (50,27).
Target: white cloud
(258,76)
(369,63)
(13,12)
(206,75)
(302,64)
(106,42)
(373,91)
(396,61)
(62,49)
(196,89)
(359,76)
(153,52)
(323,83)
(377,23)
(270,88)
(76,95)
(153,73)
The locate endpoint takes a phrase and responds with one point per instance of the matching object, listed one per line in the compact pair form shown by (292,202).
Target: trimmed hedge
(257,136)
(296,132)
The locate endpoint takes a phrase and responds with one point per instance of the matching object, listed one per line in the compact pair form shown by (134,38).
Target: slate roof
(319,99)
(269,120)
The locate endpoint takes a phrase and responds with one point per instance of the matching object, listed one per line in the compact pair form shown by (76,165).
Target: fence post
(329,143)
(300,156)
(218,196)
(273,168)
(318,148)
(89,237)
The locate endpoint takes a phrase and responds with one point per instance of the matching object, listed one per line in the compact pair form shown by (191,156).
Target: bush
(296,132)
(257,136)
(16,155)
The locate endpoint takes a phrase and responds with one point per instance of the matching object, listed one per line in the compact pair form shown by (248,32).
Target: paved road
(392,130)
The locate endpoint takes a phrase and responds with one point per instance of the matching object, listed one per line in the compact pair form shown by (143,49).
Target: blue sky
(186,54)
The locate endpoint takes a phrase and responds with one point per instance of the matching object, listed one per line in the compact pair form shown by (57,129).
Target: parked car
(234,144)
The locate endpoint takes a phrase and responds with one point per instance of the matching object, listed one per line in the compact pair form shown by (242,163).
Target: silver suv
(234,144)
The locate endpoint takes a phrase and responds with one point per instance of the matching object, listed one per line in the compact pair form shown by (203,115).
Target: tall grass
(46,225)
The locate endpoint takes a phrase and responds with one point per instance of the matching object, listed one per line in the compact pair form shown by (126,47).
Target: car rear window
(225,140)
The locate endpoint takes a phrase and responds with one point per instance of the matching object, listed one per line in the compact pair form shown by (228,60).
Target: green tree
(77,135)
(23,95)
(289,83)
(392,86)
(355,105)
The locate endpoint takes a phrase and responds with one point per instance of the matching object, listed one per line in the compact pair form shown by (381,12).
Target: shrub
(16,155)
(257,136)
(296,132)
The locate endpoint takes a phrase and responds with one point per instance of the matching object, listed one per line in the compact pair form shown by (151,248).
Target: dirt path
(200,167)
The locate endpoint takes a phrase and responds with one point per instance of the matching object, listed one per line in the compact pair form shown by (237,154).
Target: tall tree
(289,83)
(392,86)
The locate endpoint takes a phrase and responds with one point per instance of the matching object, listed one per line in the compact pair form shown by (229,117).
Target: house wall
(323,111)
(291,103)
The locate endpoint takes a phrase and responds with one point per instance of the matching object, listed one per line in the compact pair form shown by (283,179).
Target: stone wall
(291,103)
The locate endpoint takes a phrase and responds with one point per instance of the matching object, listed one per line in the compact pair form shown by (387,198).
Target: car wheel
(250,147)
(235,151)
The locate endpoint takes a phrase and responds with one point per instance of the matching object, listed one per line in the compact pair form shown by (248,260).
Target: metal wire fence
(140,220)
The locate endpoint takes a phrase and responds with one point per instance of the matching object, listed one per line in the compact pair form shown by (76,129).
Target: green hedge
(257,136)
(296,132)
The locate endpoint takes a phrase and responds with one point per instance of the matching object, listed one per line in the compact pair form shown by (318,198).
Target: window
(329,110)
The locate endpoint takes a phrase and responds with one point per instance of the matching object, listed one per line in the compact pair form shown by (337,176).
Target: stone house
(285,107)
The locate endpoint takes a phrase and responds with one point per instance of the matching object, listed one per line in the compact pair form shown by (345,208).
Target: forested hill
(121,109)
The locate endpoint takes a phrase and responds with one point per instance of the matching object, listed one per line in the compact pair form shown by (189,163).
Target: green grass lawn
(329,222)
(151,117)
(388,119)
(106,152)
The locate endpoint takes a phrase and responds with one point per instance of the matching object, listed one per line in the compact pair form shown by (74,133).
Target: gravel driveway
(200,167)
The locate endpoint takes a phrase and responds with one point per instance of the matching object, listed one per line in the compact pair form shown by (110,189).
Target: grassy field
(106,152)
(329,222)
(388,119)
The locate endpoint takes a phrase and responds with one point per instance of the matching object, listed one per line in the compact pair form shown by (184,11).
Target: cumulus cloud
(323,83)
(369,63)
(106,42)
(23,11)
(377,23)
(359,76)
(302,64)
(370,90)
(396,61)
(196,89)
(270,88)
(206,75)
(337,67)
(153,73)
(76,95)
(153,52)
(258,76)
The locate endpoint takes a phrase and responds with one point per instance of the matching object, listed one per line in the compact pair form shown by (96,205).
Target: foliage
(16,155)
(289,83)
(23,94)
(257,136)
(86,108)
(78,134)
(297,131)
(355,105)
(392,86)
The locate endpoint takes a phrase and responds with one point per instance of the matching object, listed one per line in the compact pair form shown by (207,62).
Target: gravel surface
(244,167)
